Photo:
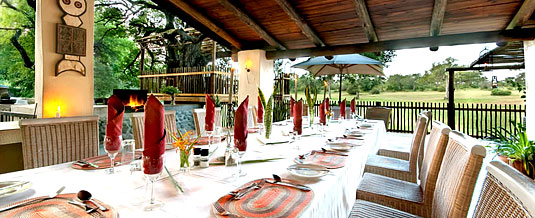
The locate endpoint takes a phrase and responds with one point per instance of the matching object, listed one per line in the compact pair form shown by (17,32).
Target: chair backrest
(505,193)
(199,115)
(254,111)
(421,152)
(52,141)
(438,140)
(458,175)
(379,113)
(417,136)
(336,112)
(138,127)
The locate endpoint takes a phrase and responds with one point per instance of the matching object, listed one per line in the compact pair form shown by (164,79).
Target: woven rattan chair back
(379,113)
(417,137)
(506,193)
(421,151)
(438,140)
(198,118)
(138,126)
(52,141)
(458,175)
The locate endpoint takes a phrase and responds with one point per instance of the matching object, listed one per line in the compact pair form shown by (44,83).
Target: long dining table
(126,191)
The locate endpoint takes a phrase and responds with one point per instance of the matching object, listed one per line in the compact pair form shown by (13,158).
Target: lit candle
(58,112)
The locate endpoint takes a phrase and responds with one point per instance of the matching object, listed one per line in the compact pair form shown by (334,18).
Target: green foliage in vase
(268,116)
(311,99)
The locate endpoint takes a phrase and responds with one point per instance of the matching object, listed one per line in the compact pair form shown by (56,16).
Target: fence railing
(476,120)
(6,116)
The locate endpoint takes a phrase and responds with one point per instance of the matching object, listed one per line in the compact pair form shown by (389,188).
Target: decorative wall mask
(70,38)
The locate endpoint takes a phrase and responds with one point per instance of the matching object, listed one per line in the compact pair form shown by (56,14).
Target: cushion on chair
(391,167)
(365,209)
(395,193)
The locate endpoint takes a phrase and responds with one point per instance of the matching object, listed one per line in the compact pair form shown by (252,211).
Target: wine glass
(210,134)
(241,147)
(112,146)
(152,169)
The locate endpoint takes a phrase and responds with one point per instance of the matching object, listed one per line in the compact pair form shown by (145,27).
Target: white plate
(12,187)
(365,125)
(272,140)
(307,173)
(339,146)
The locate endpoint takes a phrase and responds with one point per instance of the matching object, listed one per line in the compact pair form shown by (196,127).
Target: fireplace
(133,99)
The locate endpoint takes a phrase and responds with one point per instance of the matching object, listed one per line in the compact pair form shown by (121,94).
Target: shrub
(352,90)
(375,91)
(441,89)
(500,92)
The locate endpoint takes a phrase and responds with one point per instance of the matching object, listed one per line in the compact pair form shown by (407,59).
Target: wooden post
(141,65)
(212,89)
(451,94)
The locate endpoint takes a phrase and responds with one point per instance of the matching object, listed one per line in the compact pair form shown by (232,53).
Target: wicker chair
(138,126)
(405,153)
(396,168)
(52,141)
(379,113)
(198,118)
(454,187)
(506,193)
(408,196)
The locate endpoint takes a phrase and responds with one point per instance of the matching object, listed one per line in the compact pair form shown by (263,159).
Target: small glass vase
(184,161)
(311,115)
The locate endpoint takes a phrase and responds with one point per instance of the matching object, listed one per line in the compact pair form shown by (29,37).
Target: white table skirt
(334,196)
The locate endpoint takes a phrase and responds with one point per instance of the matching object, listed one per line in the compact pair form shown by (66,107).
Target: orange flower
(183,142)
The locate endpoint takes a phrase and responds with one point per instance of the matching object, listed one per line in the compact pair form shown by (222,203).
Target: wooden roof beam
(443,40)
(202,19)
(364,17)
(438,17)
(301,23)
(252,24)
(523,14)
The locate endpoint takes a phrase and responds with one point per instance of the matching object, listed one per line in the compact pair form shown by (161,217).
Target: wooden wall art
(70,38)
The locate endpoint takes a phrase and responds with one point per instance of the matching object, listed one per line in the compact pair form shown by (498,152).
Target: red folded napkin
(114,126)
(327,106)
(322,113)
(292,105)
(154,141)
(353,105)
(298,117)
(343,109)
(210,114)
(240,126)
(260,112)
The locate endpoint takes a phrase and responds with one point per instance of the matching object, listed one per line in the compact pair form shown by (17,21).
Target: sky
(419,60)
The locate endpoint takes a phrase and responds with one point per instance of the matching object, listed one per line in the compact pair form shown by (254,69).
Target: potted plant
(171,90)
(514,148)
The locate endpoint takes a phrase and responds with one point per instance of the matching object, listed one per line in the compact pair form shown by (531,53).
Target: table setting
(244,177)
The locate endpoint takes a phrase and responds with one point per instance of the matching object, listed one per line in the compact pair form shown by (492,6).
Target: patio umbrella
(342,64)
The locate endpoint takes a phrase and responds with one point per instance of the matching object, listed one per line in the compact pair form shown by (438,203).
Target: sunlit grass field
(461,96)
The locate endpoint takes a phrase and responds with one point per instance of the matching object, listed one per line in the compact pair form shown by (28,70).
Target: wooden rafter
(364,17)
(300,22)
(252,24)
(438,17)
(199,17)
(522,15)
(525,34)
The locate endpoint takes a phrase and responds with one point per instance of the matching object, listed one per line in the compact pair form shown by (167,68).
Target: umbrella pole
(340,91)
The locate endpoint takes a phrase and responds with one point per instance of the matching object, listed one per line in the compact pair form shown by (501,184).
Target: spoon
(84,195)
(278,181)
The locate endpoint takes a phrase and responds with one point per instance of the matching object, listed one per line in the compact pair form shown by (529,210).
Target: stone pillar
(529,59)
(70,90)
(260,74)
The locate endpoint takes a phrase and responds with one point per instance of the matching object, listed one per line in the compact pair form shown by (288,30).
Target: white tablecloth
(334,193)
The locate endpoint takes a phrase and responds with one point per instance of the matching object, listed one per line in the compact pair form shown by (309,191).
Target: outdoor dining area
(238,144)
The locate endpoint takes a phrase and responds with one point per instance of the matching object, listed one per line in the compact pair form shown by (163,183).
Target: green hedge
(500,92)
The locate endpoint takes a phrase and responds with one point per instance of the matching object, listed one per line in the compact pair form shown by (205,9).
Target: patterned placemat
(330,161)
(58,207)
(103,161)
(215,139)
(270,200)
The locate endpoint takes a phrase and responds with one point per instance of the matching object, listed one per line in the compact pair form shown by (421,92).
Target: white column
(70,90)
(260,74)
(529,59)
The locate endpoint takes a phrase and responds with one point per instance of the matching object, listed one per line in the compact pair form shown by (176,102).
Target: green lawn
(461,96)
